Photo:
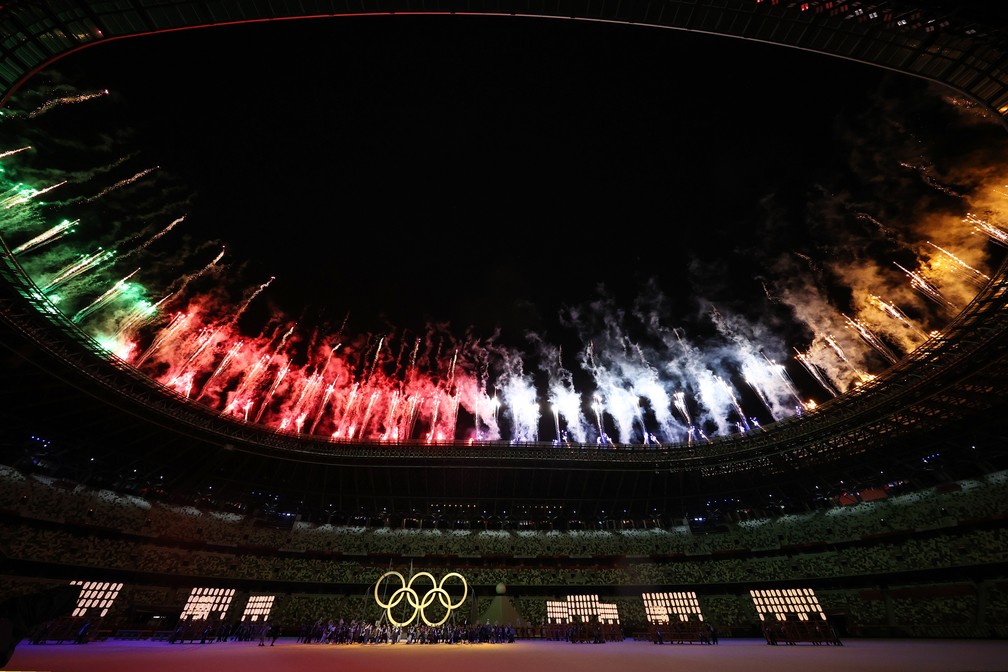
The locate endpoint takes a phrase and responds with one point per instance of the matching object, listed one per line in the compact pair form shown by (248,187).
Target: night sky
(509,177)
(477,169)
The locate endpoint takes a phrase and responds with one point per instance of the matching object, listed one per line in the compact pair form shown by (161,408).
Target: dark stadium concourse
(867,531)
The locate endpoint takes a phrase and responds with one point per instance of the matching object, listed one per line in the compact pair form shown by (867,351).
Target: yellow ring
(419,604)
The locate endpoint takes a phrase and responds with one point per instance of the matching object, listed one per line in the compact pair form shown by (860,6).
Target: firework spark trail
(481,403)
(183,384)
(607,398)
(632,377)
(175,325)
(621,404)
(679,399)
(518,386)
(752,364)
(393,418)
(834,345)
(975,276)
(368,410)
(432,432)
(268,397)
(12,152)
(610,368)
(660,403)
(995,233)
(447,412)
(117,289)
(895,313)
(322,406)
(415,402)
(563,399)
(120,184)
(781,374)
(567,402)
(204,339)
(814,371)
(755,381)
(232,352)
(375,360)
(306,399)
(418,401)
(147,243)
(643,428)
(925,175)
(556,422)
(414,353)
(399,364)
(311,396)
(451,417)
(10,194)
(690,369)
(286,336)
(26,194)
(648,384)
(883,229)
(257,292)
(758,373)
(871,339)
(50,236)
(926,288)
(349,420)
(729,391)
(181,283)
(168,228)
(87,177)
(450,379)
(403,412)
(242,395)
(832,342)
(143,313)
(674,342)
(447,418)
(82,265)
(66,100)
(344,417)
(597,409)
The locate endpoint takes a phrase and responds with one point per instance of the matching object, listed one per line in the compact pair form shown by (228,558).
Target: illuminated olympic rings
(436,591)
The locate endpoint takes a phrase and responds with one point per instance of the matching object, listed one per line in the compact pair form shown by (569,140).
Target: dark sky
(475,169)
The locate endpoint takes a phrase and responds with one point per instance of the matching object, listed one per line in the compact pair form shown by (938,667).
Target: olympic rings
(436,591)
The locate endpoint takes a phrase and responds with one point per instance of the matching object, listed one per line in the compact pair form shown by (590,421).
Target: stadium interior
(881,514)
